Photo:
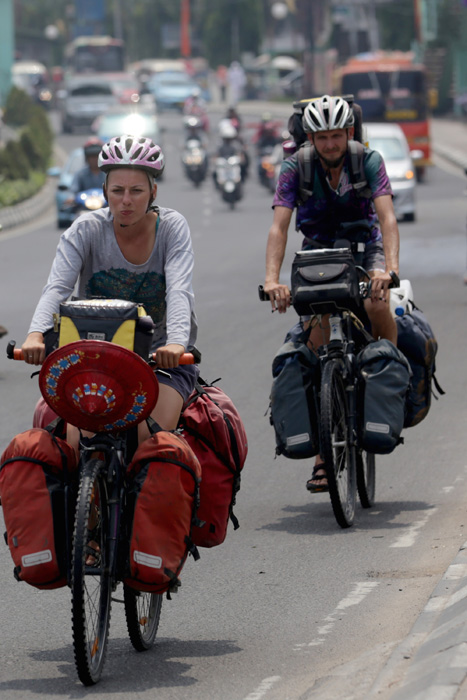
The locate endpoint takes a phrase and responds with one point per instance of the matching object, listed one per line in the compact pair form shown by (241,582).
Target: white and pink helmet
(136,152)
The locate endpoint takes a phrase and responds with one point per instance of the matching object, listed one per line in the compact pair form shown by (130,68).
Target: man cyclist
(329,125)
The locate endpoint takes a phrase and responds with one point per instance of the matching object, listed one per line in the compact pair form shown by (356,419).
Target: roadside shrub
(31,150)
(18,108)
(23,162)
(12,192)
(18,164)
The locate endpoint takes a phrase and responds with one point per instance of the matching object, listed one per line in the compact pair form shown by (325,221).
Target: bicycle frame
(113,449)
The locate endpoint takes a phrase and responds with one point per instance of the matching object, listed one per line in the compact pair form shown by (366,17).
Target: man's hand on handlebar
(34,349)
(279,294)
(380,283)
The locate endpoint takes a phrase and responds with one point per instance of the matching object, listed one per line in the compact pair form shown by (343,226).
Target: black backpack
(415,338)
(295,123)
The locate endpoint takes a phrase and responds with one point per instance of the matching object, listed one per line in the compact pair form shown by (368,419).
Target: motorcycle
(229,179)
(195,161)
(87,200)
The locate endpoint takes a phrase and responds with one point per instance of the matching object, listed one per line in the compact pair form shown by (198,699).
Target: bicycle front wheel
(142,612)
(366,478)
(91,583)
(338,454)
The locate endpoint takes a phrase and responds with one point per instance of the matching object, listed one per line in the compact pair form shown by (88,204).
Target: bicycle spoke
(337,453)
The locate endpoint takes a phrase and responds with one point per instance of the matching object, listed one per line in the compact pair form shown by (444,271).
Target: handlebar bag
(385,375)
(293,410)
(163,496)
(114,320)
(37,488)
(323,280)
(212,426)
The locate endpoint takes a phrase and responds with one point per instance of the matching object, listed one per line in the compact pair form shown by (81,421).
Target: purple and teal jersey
(319,217)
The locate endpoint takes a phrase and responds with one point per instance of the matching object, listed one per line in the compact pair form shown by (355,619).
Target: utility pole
(117,18)
(185,47)
(7,42)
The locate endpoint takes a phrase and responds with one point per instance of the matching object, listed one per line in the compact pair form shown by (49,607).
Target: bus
(95,54)
(391,87)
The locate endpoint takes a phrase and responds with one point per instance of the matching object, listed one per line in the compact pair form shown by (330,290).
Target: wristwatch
(395,278)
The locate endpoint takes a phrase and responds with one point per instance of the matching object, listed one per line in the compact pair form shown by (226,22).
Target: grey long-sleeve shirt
(88,253)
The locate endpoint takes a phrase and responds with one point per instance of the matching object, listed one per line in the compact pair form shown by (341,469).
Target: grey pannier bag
(296,372)
(385,373)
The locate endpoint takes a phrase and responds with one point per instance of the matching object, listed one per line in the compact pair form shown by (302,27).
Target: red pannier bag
(43,414)
(38,472)
(212,426)
(163,495)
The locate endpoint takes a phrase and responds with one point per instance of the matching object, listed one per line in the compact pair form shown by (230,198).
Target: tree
(227,28)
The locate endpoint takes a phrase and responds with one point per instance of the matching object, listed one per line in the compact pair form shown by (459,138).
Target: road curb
(431,662)
(30,208)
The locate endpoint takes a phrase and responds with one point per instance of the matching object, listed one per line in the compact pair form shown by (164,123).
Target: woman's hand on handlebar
(33,349)
(168,356)
(279,295)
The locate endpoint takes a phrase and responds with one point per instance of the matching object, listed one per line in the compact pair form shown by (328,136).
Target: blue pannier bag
(417,341)
(385,375)
(293,415)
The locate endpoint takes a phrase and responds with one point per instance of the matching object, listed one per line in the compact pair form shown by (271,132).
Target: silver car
(83,99)
(390,141)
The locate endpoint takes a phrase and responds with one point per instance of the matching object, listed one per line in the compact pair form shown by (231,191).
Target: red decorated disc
(98,386)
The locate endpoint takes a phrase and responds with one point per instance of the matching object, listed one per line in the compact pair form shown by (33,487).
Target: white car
(390,141)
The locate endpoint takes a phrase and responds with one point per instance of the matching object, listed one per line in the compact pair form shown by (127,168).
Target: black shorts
(182,379)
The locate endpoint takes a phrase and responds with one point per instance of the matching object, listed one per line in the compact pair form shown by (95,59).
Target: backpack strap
(307,157)
(357,169)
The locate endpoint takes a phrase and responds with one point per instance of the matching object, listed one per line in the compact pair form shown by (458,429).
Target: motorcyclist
(230,146)
(266,134)
(235,118)
(194,130)
(329,125)
(90,176)
(195,142)
(194,105)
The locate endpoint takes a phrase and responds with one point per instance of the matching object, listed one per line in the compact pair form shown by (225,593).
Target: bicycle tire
(366,478)
(91,586)
(142,612)
(338,454)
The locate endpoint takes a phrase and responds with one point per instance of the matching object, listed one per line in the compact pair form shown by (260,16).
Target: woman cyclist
(132,250)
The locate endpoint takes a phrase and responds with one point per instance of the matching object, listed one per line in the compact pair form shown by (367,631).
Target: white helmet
(227,129)
(327,113)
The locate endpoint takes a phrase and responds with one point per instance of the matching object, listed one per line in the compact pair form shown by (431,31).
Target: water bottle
(399,298)
(288,148)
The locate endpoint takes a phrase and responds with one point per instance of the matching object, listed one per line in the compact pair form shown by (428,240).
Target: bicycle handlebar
(188,358)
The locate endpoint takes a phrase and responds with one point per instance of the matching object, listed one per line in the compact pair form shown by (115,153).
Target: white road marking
(263,688)
(355,597)
(409,537)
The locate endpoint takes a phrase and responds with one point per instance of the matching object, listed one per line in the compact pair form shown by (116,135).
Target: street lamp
(279,10)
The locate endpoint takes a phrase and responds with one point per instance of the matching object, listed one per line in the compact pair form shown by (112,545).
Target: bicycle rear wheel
(338,454)
(91,583)
(142,611)
(366,478)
